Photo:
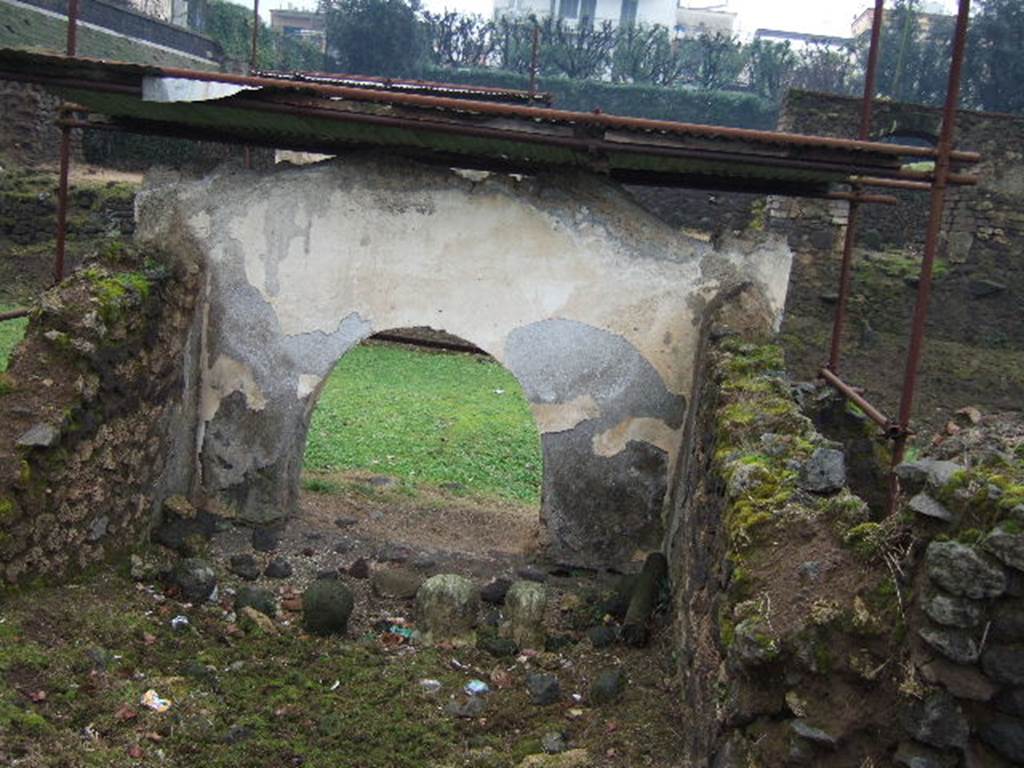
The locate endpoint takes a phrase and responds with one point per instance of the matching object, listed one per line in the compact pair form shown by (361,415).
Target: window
(588,10)
(628,15)
(569,9)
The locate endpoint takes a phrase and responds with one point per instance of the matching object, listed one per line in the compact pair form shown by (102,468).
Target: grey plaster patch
(317,352)
(557,361)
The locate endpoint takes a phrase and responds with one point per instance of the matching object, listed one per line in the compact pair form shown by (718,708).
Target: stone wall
(97,414)
(980,276)
(594,306)
(99,214)
(28,132)
(979,281)
(812,630)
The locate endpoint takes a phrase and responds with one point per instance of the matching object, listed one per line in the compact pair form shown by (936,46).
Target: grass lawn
(11,332)
(428,417)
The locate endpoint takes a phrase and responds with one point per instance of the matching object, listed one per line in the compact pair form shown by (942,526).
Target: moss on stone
(116,292)
(866,539)
(6,510)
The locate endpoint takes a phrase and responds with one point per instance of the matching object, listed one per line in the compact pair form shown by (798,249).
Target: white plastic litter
(151,700)
(430,686)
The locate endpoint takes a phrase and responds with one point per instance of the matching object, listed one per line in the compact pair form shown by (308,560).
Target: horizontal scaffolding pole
(14,314)
(891,428)
(863,197)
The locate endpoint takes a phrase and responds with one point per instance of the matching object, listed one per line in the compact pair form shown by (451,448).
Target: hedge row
(688,105)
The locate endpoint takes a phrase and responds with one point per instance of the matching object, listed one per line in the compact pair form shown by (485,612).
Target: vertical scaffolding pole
(65,156)
(931,244)
(247,150)
(255,33)
(534,57)
(846,267)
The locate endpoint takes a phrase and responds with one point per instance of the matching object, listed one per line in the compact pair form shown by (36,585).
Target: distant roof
(803,37)
(431,125)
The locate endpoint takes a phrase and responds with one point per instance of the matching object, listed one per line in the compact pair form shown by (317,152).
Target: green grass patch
(427,417)
(11,332)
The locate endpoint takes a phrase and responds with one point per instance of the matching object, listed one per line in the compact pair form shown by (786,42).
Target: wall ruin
(592,304)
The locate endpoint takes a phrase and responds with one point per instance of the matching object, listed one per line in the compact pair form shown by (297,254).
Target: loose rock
(266,538)
(916,475)
(544,689)
(925,505)
(607,686)
(601,636)
(263,600)
(395,582)
(532,573)
(573,758)
(524,605)
(360,569)
(466,707)
(195,578)
(814,735)
(495,591)
(326,607)
(394,553)
(447,605)
(251,619)
(278,568)
(553,742)
(245,567)
(499,647)
(39,436)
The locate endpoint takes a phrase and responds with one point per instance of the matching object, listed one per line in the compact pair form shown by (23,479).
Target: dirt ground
(76,661)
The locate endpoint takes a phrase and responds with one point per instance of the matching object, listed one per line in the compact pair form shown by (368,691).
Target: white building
(798,41)
(684,21)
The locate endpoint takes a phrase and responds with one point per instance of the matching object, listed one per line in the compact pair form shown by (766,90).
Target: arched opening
(424,445)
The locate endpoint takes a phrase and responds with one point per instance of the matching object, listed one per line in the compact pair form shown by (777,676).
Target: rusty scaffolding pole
(898,430)
(938,200)
(65,155)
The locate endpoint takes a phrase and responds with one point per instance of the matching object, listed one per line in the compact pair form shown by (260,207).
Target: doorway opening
(420,441)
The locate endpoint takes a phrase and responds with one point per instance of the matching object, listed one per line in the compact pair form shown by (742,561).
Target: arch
(431,412)
(593,305)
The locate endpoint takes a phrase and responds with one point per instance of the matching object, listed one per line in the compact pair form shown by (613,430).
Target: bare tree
(770,68)
(514,49)
(461,41)
(578,52)
(645,54)
(825,68)
(713,61)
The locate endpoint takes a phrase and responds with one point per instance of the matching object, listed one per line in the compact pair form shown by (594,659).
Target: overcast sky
(825,17)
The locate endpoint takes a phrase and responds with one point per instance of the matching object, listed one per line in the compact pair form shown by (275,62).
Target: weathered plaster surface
(591,303)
